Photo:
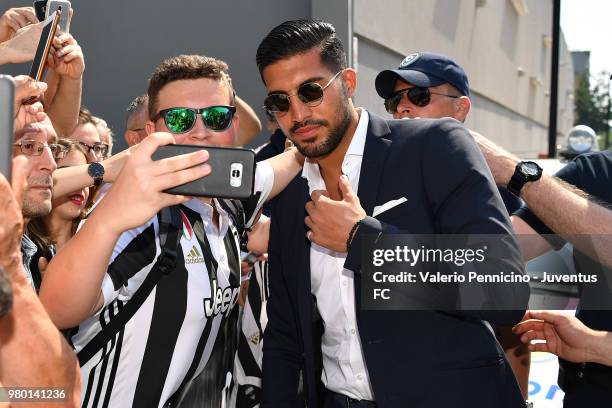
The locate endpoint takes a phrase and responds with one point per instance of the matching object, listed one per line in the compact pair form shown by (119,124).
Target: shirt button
(344,283)
(580,374)
(360,377)
(352,331)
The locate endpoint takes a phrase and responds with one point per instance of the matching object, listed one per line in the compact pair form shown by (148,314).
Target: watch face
(96,170)
(530,169)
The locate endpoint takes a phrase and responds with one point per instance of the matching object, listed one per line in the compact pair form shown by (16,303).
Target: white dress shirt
(344,369)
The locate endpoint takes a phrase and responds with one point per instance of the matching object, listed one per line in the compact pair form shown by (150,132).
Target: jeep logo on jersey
(221,300)
(409,60)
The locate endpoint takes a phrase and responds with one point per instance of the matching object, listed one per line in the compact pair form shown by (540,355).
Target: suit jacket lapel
(374,155)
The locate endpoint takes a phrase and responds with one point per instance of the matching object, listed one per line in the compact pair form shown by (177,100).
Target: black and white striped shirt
(188,324)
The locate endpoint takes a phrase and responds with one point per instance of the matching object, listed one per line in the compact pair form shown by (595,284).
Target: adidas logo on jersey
(194,256)
(221,300)
(254,338)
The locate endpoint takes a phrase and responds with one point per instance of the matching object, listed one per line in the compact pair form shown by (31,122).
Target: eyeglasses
(181,120)
(100,149)
(419,96)
(311,94)
(35,148)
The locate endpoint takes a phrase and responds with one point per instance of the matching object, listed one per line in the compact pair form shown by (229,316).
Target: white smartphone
(64,6)
(7,117)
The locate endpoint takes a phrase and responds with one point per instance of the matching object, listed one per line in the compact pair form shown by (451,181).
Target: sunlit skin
(309,128)
(87,133)
(67,208)
(440,106)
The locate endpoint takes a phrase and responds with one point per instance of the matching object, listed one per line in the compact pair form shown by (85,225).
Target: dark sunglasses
(311,94)
(99,148)
(34,148)
(181,120)
(419,96)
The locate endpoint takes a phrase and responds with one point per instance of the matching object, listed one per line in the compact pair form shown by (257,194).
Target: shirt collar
(311,169)
(206,211)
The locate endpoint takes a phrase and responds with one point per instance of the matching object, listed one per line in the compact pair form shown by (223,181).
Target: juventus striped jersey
(188,324)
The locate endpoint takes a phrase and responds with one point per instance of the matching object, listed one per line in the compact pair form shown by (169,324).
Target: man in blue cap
(425,85)
(430,85)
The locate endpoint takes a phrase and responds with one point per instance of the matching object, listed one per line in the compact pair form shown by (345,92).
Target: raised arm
(565,209)
(250,126)
(33,353)
(68,65)
(136,196)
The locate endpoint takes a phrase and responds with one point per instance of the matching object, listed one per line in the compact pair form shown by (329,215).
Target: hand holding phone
(13,19)
(233,171)
(138,193)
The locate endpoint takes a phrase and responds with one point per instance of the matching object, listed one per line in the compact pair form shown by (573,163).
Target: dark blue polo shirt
(591,173)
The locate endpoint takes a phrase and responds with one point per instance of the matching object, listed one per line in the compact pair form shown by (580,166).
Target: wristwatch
(96,172)
(524,172)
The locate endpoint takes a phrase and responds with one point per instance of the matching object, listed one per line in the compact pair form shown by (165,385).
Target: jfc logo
(409,60)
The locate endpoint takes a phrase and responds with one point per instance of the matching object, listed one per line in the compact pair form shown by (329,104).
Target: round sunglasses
(311,94)
(181,120)
(419,96)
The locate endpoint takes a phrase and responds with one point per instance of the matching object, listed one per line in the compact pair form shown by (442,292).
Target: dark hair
(186,67)
(299,36)
(139,104)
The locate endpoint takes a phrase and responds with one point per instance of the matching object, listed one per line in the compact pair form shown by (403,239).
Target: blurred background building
(505,47)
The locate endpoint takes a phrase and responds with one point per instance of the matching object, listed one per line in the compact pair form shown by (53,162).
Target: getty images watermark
(468,272)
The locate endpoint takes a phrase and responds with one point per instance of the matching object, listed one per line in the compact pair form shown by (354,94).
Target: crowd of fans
(82,228)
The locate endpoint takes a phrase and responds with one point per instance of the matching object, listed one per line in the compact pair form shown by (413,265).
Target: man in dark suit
(365,177)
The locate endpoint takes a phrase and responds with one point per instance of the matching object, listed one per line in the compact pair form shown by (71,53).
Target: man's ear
(349,76)
(236,127)
(150,127)
(462,107)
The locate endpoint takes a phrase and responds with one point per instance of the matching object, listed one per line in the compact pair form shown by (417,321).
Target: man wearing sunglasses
(430,85)
(378,178)
(425,85)
(187,327)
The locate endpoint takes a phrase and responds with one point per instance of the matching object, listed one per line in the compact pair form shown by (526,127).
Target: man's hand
(67,59)
(501,162)
(15,18)
(330,221)
(26,88)
(22,46)
(565,336)
(138,192)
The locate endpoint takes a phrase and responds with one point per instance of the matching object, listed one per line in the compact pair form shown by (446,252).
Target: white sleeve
(264,180)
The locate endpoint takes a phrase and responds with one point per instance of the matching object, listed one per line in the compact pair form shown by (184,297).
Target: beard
(334,137)
(35,206)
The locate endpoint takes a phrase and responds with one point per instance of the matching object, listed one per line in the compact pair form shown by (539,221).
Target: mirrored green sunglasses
(181,120)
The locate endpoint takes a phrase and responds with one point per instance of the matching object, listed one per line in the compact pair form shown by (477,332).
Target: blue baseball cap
(423,69)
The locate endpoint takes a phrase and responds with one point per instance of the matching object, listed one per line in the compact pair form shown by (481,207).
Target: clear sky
(587,26)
